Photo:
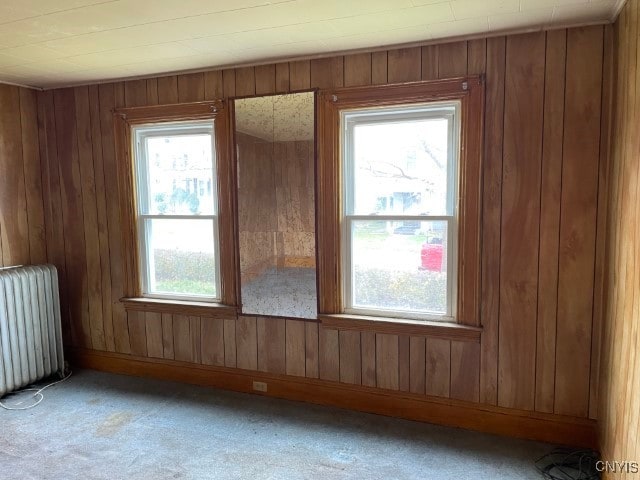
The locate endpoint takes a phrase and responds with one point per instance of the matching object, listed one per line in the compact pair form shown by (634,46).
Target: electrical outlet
(260,386)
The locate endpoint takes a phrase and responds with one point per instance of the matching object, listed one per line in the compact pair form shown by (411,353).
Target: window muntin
(399,224)
(176,215)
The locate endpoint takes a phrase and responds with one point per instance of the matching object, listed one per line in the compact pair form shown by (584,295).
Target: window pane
(180,175)
(181,257)
(401,167)
(400,266)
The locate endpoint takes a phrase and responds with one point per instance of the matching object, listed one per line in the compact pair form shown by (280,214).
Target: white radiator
(30,330)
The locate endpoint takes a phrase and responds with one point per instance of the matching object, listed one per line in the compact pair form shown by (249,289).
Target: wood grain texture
(550,189)
(295,348)
(438,368)
(212,341)
(492,218)
(387,361)
(191,87)
(247,343)
(76,153)
(138,333)
(404,65)
(311,350)
(153,332)
(271,345)
(350,357)
(14,223)
(523,117)
(328,354)
(581,156)
(620,365)
(357,69)
(417,365)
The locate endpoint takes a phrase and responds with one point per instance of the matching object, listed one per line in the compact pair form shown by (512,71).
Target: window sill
(450,331)
(179,307)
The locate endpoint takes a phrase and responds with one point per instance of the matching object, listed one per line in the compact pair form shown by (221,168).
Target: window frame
(469,91)
(140,133)
(125,121)
(395,114)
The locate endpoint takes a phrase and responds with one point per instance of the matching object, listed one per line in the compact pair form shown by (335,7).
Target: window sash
(398,114)
(349,271)
(140,135)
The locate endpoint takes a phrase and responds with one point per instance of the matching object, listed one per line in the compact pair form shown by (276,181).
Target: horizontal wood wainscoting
(541,251)
(501,421)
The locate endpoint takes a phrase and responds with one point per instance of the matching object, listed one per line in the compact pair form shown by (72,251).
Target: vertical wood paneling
(52,201)
(619,400)
(245,81)
(328,354)
(357,69)
(417,368)
(167,336)
(327,72)
(578,219)
(14,225)
(135,93)
(271,334)
(452,59)
(387,361)
(311,350)
(295,348)
(246,343)
(213,85)
(300,75)
(528,120)
(191,87)
(90,217)
(229,83)
(265,79)
(152,91)
(492,218)
(72,213)
(404,65)
(350,357)
(524,94)
(32,176)
(111,95)
(465,372)
(551,177)
(212,331)
(137,333)
(282,77)
(153,329)
(404,363)
(168,90)
(438,352)
(182,346)
(430,62)
(368,349)
(102,217)
(379,68)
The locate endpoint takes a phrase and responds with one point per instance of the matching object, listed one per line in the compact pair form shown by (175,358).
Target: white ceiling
(47,43)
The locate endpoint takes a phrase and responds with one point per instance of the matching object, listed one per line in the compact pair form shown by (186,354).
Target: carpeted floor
(102,426)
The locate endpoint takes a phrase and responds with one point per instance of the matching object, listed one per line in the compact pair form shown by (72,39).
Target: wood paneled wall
(541,259)
(22,220)
(620,414)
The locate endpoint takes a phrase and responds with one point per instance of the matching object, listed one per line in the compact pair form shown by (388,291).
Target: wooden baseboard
(484,418)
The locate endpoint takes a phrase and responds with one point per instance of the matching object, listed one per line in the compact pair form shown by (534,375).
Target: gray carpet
(102,426)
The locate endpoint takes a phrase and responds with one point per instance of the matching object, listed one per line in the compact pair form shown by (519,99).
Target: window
(175,181)
(177,227)
(399,180)
(399,225)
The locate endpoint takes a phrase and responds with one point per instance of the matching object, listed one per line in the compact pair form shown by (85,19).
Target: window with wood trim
(176,196)
(399,188)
